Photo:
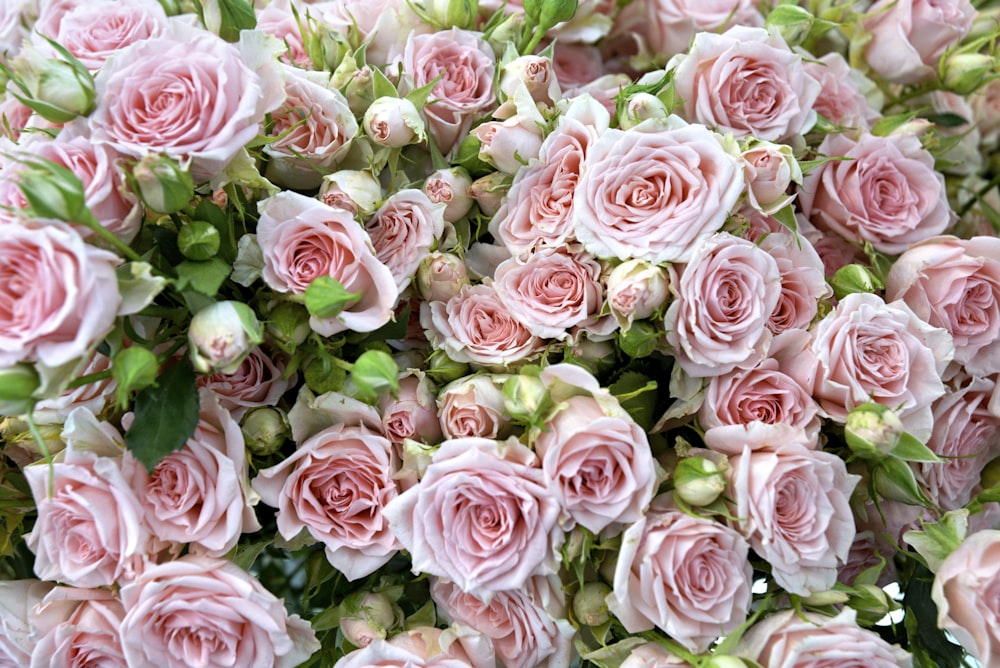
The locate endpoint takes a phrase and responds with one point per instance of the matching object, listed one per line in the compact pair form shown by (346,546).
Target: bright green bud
(853,278)
(523,396)
(288,325)
(265,429)
(792,21)
(222,335)
(17,384)
(872,430)
(454,13)
(547,13)
(374,374)
(52,191)
(133,369)
(57,90)
(326,297)
(198,240)
(162,184)
(590,604)
(698,481)
(965,73)
(442,369)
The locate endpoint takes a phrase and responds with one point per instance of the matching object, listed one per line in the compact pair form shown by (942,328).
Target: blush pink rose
(337,485)
(748,82)
(257,381)
(302,239)
(652,655)
(687,576)
(58,295)
(200,495)
(210,100)
(78,628)
(597,463)
(465,64)
(92,396)
(200,611)
(18,599)
(844,98)
(907,37)
(803,282)
(654,195)
(95,31)
(473,406)
(412,412)
(887,192)
(527,625)
(868,350)
(809,640)
(725,298)
(382,654)
(89,531)
(384,25)
(793,506)
(955,284)
(481,516)
(476,327)
(403,231)
(551,291)
(277,19)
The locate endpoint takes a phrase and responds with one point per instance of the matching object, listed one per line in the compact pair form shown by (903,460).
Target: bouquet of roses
(475,333)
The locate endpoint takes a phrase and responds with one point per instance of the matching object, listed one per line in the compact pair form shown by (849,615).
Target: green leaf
(640,340)
(326,297)
(786,216)
(889,124)
(921,622)
(381,85)
(236,15)
(637,395)
(910,449)
(166,415)
(205,277)
(246,555)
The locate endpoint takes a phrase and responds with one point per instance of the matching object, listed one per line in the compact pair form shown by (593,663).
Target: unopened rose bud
(351,190)
(288,325)
(453,13)
(17,384)
(442,369)
(359,89)
(326,48)
(509,144)
(895,480)
(829,597)
(590,604)
(222,335)
(57,90)
(198,240)
(769,169)
(374,616)
(265,429)
(451,188)
(509,30)
(793,22)
(523,396)
(965,73)
(394,122)
(359,632)
(698,481)
(642,107)
(440,276)
(489,191)
(853,278)
(548,13)
(162,184)
(536,74)
(636,289)
(872,430)
(53,192)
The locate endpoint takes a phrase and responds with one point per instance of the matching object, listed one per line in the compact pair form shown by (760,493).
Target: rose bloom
(473,406)
(89,531)
(476,327)
(313,128)
(384,654)
(652,655)
(955,284)
(769,169)
(210,100)
(867,350)
(597,463)
(199,495)
(907,37)
(803,282)
(654,195)
(465,63)
(551,291)
(58,295)
(847,97)
(277,19)
(528,625)
(200,611)
(807,640)
(688,576)
(18,599)
(257,381)
(303,239)
(383,25)
(793,507)
(95,31)
(412,413)
(481,516)
(748,82)
(725,298)
(403,231)
(887,193)
(78,628)
(92,396)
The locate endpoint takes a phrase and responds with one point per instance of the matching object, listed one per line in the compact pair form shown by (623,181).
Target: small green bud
(698,481)
(523,396)
(547,13)
(57,90)
(828,597)
(52,191)
(375,373)
(872,430)
(792,21)
(17,384)
(162,184)
(853,278)
(454,13)
(288,325)
(221,335)
(133,369)
(265,429)
(895,480)
(590,604)
(642,107)
(965,73)
(198,240)
(442,369)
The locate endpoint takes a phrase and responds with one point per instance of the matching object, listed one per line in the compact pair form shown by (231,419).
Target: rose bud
(440,276)
(451,188)
(198,240)
(508,144)
(965,73)
(642,107)
(536,73)
(590,604)
(523,396)
(375,616)
(394,122)
(288,325)
(356,191)
(17,383)
(265,429)
(698,481)
(453,13)
(489,191)
(636,289)
(162,184)
(222,335)
(442,369)
(57,90)
(769,169)
(872,430)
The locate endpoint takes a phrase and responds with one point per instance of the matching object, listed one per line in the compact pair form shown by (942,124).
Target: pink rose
(725,298)
(412,413)
(510,144)
(403,231)
(92,396)
(95,31)
(312,129)
(551,291)
(803,283)
(748,82)
(986,112)
(60,294)
(381,654)
(794,638)
(450,187)
(183,72)
(481,516)
(78,628)
(17,600)
(384,25)
(868,350)
(687,576)
(597,463)
(475,326)
(654,195)
(337,485)
(473,406)
(465,63)
(199,495)
(257,381)
(12,29)
(200,611)
(527,625)
(455,642)
(907,37)
(964,590)
(887,193)
(844,96)
(576,65)
(793,507)
(652,655)
(955,284)
(277,19)
(303,239)
(89,531)
(769,169)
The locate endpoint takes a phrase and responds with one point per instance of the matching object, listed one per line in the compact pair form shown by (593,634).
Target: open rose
(955,284)
(845,93)
(654,195)
(78,628)
(303,239)
(481,516)
(686,575)
(257,381)
(403,231)
(95,31)
(473,406)
(336,485)
(411,412)
(17,600)
(803,285)
(748,82)
(199,611)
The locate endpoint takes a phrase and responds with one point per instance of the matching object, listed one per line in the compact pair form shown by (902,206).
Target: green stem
(536,38)
(89,378)
(91,224)
(42,446)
